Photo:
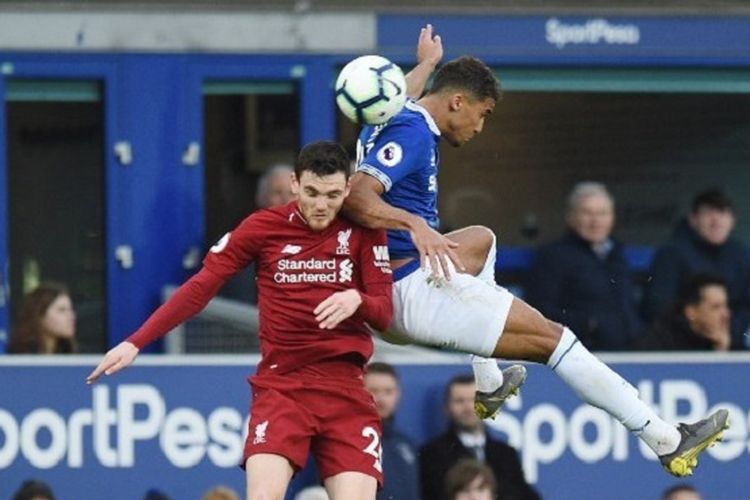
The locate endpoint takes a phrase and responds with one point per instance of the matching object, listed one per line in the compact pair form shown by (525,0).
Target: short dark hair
(678,488)
(712,198)
(463,379)
(691,290)
(33,489)
(382,368)
(322,158)
(469,74)
(463,473)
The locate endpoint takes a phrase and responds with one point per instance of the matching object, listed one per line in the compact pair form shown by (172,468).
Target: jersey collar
(427,116)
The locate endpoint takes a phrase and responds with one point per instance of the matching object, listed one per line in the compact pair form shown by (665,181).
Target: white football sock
(600,386)
(487,374)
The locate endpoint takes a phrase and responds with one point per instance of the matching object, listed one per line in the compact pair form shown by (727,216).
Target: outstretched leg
(530,336)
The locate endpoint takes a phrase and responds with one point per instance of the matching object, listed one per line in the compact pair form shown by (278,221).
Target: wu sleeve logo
(382,259)
(221,244)
(380,252)
(391,154)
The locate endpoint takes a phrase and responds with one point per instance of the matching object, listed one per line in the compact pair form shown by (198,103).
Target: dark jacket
(438,455)
(594,297)
(689,254)
(672,333)
(400,466)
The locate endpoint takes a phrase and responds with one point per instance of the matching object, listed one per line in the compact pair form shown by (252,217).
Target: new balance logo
(291,249)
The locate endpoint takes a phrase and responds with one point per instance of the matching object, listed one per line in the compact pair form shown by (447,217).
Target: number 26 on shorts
(375,448)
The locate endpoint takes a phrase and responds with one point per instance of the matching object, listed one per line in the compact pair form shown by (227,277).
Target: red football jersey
(297,269)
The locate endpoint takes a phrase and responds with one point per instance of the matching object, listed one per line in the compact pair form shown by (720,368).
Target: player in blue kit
(444,290)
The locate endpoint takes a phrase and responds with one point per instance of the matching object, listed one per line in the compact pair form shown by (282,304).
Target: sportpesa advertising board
(178,425)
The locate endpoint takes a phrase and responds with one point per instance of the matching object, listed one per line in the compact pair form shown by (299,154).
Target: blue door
(54,134)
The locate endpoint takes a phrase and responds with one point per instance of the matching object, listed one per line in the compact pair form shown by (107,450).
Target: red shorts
(336,419)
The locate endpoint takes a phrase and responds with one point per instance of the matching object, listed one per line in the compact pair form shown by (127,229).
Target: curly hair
(468,74)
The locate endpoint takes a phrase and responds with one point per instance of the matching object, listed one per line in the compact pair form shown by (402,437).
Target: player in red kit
(321,278)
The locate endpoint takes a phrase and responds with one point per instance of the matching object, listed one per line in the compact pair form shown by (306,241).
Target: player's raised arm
(429,54)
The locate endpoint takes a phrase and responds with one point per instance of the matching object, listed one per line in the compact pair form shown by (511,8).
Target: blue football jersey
(403,155)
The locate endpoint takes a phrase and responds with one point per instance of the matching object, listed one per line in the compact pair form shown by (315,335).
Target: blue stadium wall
(153,101)
(164,424)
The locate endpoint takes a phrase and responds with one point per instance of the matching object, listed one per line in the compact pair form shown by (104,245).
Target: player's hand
(337,308)
(429,48)
(436,249)
(115,360)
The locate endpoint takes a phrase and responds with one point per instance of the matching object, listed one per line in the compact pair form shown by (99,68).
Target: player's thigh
(463,314)
(527,335)
(351,486)
(279,425)
(268,476)
(475,242)
(350,434)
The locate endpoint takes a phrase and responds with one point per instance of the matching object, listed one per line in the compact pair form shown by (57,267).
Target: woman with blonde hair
(47,323)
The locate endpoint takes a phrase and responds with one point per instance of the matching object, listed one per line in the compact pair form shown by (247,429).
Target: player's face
(60,320)
(466,118)
(385,391)
(712,224)
(711,315)
(593,218)
(320,198)
(460,406)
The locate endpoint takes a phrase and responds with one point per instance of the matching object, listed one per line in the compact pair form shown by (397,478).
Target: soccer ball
(370,90)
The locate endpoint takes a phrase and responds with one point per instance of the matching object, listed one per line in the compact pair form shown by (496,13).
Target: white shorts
(463,314)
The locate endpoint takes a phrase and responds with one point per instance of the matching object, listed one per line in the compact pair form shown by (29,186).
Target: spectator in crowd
(274,189)
(34,490)
(682,491)
(399,455)
(699,319)
(47,323)
(220,493)
(703,244)
(583,280)
(467,437)
(470,480)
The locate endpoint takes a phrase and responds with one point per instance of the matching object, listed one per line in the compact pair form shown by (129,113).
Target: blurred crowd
(695,295)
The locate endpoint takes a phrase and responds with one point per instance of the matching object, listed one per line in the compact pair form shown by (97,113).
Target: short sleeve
(236,249)
(398,151)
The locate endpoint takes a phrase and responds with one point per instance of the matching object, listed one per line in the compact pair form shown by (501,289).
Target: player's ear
(295,184)
(348,187)
(456,101)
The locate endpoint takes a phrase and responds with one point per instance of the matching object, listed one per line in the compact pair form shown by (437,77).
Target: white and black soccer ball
(370,90)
